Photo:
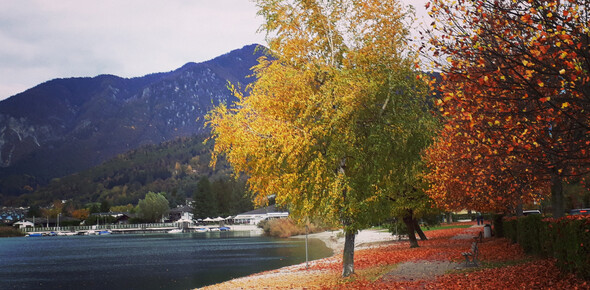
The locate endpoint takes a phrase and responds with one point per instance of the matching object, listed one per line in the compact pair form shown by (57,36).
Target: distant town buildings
(10,215)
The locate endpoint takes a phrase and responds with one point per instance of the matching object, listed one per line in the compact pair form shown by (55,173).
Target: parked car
(531,212)
(578,211)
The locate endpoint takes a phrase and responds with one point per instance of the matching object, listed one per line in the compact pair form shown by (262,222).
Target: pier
(132,229)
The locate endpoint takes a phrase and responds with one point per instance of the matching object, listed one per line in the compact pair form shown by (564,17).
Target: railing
(98,227)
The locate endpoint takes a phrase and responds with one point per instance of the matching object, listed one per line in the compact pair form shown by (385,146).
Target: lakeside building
(24,224)
(181,213)
(256,216)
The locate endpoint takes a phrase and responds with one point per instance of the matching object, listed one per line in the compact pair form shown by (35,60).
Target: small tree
(204,199)
(105,206)
(81,214)
(153,207)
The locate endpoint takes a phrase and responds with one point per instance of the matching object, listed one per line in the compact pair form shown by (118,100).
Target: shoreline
(364,239)
(334,240)
(246,228)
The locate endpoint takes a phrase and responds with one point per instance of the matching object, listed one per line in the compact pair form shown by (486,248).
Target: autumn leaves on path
(436,264)
(502,266)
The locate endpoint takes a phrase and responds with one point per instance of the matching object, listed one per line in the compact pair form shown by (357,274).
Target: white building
(255,216)
(24,224)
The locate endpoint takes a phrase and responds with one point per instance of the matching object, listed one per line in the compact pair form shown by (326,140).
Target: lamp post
(306,252)
(58,221)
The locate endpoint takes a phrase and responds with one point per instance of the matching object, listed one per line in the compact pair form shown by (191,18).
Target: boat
(35,235)
(214,229)
(202,230)
(175,231)
(66,233)
(224,229)
(104,232)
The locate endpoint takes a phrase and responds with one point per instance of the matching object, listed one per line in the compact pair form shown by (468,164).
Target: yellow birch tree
(336,120)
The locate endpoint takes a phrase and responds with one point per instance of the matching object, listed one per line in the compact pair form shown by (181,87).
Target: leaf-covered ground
(502,266)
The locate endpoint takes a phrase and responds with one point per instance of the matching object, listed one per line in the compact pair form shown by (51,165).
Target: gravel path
(425,270)
(419,270)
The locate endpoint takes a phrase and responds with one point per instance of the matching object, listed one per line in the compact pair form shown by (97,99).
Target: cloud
(42,40)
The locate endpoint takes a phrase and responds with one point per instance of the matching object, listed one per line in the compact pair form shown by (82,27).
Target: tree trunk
(419,231)
(348,253)
(409,221)
(449,217)
(557,196)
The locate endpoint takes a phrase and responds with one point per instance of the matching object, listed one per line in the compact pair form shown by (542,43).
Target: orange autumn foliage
(537,274)
(514,99)
(439,247)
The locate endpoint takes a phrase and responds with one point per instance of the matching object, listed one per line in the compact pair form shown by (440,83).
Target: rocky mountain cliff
(66,125)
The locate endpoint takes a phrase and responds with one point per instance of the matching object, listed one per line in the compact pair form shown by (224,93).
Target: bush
(284,228)
(566,239)
(509,226)
(10,232)
(397,227)
(528,229)
(497,221)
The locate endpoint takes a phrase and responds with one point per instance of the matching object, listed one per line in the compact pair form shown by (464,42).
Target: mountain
(66,125)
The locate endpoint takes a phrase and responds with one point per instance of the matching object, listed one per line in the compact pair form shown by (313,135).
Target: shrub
(509,226)
(397,227)
(566,239)
(10,232)
(284,228)
(497,221)
(527,230)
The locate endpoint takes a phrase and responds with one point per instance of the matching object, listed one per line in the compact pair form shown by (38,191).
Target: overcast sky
(42,40)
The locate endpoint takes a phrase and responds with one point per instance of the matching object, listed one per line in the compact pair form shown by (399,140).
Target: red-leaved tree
(515,99)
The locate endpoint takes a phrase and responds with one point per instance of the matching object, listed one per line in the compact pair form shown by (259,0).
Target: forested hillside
(180,168)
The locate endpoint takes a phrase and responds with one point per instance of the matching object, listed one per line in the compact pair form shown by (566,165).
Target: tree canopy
(515,99)
(153,206)
(336,120)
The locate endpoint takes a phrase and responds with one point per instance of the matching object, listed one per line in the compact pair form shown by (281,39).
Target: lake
(150,261)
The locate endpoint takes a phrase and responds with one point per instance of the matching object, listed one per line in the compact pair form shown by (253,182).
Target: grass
(10,232)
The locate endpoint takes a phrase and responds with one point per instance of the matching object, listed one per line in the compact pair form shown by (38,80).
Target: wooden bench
(473,254)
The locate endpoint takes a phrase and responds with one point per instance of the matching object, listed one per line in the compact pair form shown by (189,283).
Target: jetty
(132,229)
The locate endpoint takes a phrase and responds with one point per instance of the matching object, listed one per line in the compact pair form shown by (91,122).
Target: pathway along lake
(150,261)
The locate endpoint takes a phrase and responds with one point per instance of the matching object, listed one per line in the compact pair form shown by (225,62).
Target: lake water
(150,261)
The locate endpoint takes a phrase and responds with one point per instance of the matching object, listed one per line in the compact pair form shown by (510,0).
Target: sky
(41,40)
